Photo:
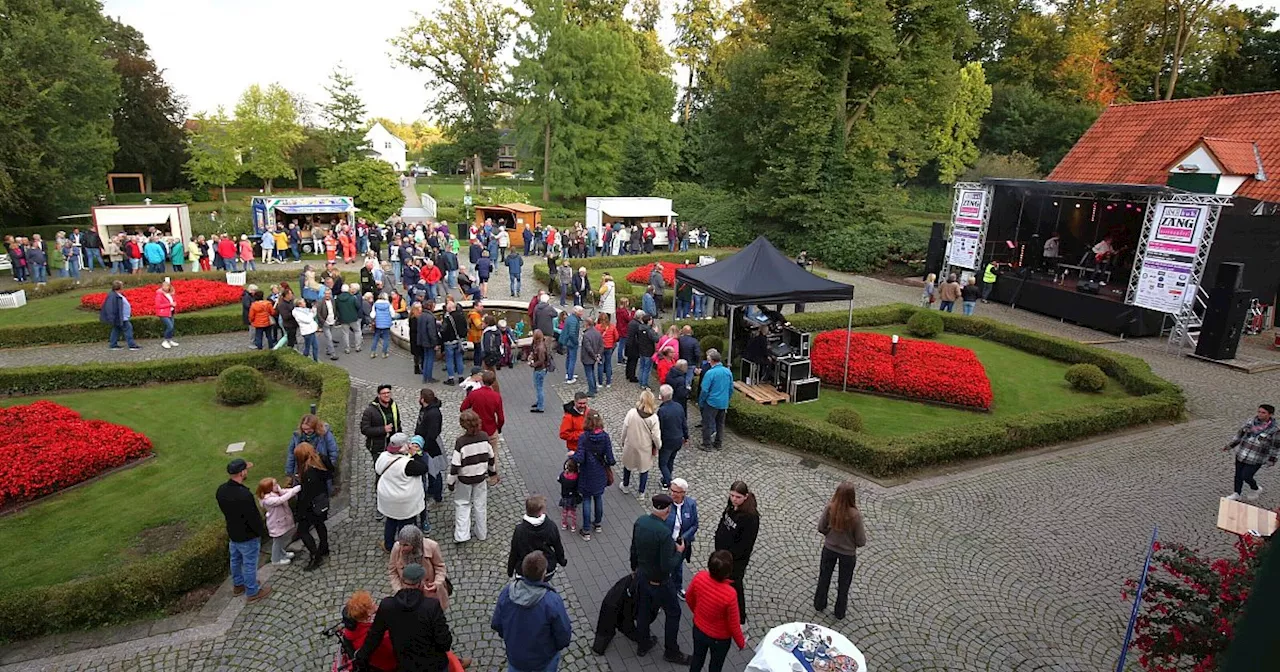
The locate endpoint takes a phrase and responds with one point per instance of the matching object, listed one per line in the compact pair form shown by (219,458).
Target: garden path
(1016,564)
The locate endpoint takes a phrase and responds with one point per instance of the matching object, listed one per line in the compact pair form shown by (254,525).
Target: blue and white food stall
(268,210)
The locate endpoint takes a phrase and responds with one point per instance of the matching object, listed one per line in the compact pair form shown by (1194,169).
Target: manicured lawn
(1020,381)
(65,307)
(146,508)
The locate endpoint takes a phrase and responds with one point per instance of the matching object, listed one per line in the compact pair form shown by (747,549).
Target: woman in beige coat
(411,547)
(641,439)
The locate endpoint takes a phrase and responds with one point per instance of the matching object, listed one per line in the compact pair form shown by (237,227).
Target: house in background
(507,158)
(383,145)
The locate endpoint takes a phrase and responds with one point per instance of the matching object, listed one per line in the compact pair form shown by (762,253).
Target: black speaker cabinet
(937,248)
(804,390)
(1223,322)
(1230,276)
(1088,287)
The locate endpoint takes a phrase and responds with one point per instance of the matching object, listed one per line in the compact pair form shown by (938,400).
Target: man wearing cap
(416,624)
(245,530)
(531,619)
(654,556)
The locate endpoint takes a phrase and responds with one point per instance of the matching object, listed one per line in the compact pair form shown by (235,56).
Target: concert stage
(1104,311)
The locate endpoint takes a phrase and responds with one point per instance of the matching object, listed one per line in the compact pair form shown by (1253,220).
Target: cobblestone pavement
(1013,565)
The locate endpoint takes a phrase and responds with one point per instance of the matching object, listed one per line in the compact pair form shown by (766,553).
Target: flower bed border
(144,587)
(1155,400)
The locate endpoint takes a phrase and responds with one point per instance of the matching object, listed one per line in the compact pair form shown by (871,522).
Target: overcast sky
(212,50)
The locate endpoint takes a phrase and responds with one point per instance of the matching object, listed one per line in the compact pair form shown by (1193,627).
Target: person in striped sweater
(473,462)
(714,604)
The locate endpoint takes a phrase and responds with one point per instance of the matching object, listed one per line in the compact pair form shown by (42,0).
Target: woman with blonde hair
(930,293)
(413,548)
(641,439)
(166,306)
(843,534)
(313,502)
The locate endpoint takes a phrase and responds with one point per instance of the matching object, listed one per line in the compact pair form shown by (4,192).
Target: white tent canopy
(638,207)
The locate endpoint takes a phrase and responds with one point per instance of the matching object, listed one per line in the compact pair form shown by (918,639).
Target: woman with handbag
(313,502)
(413,548)
(594,456)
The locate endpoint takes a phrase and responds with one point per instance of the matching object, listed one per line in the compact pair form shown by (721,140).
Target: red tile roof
(1235,156)
(1135,144)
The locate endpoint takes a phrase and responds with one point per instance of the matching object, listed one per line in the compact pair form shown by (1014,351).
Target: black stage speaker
(1223,321)
(1230,276)
(1088,287)
(937,248)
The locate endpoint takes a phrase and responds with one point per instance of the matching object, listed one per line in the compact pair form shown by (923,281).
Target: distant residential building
(507,158)
(383,145)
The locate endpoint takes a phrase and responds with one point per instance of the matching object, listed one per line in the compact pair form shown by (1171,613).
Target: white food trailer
(603,210)
(173,221)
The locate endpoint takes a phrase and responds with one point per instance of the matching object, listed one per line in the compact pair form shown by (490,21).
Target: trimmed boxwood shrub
(1155,400)
(709,342)
(240,385)
(1086,377)
(845,418)
(144,587)
(925,324)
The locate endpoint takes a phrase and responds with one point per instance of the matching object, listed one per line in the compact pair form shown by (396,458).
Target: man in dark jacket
(544,316)
(419,633)
(659,284)
(674,427)
(428,340)
(347,305)
(245,529)
(653,557)
(380,420)
(690,351)
(116,312)
(592,346)
(531,619)
(535,533)
(646,344)
(633,342)
(676,378)
(246,300)
(92,244)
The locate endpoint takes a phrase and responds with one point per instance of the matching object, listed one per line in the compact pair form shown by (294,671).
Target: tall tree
(266,129)
(343,113)
(460,47)
(956,137)
(696,24)
(148,116)
(312,152)
(1186,19)
(214,155)
(57,95)
(372,183)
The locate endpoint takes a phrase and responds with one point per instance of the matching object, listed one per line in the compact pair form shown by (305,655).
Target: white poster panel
(1165,275)
(966,228)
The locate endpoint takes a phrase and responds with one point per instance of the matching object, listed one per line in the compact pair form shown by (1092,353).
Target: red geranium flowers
(46,447)
(190,295)
(640,276)
(920,369)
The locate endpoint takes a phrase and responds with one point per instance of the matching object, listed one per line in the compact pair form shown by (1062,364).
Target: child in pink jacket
(279,518)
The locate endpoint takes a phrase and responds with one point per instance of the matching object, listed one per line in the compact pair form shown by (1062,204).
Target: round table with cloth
(772,658)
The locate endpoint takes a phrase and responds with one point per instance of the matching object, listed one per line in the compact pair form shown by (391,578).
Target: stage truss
(1215,203)
(982,233)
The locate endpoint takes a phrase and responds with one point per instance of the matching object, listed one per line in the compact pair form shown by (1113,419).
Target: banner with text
(966,228)
(1166,269)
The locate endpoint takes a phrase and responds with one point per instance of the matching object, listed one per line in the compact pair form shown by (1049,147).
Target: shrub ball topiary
(239,385)
(709,342)
(843,416)
(925,324)
(1086,377)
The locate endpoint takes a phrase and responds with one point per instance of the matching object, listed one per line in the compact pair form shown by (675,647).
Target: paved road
(1015,565)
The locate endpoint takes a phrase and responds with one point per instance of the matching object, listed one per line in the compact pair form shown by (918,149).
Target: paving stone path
(1013,565)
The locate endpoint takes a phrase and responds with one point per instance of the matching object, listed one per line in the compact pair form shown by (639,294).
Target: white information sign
(966,229)
(1166,269)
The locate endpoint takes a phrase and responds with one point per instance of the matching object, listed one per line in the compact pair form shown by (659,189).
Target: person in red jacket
(432,275)
(227,252)
(714,604)
(575,416)
(357,617)
(487,403)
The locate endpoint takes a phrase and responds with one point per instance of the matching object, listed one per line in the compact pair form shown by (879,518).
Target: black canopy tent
(759,273)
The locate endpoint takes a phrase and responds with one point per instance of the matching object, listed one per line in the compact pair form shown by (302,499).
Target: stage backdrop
(968,218)
(1166,276)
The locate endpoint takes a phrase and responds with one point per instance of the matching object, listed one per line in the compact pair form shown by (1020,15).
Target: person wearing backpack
(535,533)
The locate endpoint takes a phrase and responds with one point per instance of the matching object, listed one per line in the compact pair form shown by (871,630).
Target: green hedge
(1156,400)
(195,324)
(145,587)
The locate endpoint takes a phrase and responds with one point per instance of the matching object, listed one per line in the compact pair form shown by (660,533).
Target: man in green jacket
(348,308)
(654,555)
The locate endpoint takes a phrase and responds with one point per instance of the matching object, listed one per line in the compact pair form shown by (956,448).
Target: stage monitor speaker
(1088,287)
(937,248)
(804,390)
(1223,324)
(1230,276)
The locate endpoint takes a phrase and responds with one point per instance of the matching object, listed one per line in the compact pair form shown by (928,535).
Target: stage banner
(1166,269)
(966,228)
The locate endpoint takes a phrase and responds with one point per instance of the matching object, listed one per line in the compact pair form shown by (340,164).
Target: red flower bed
(190,295)
(47,447)
(640,276)
(920,370)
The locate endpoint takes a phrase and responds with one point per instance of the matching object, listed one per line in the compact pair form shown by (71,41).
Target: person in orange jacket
(260,313)
(330,247)
(575,416)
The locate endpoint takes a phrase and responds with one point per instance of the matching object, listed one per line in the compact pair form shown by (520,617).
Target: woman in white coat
(608,297)
(641,439)
(401,496)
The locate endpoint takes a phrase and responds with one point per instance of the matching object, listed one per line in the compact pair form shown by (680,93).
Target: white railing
(428,204)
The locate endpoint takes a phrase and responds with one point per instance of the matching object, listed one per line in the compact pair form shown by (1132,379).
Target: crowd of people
(613,239)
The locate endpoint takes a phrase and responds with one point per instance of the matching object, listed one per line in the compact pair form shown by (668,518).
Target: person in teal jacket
(155,255)
(176,254)
(713,400)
